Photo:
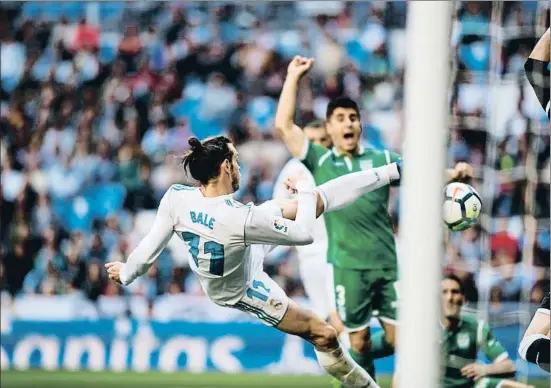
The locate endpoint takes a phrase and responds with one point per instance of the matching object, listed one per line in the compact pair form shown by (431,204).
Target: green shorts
(362,294)
(489,382)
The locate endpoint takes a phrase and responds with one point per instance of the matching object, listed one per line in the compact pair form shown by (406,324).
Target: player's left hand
(290,185)
(462,170)
(114,271)
(291,182)
(474,371)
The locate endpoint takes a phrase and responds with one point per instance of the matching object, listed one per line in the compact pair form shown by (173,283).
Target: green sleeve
(313,155)
(488,343)
(392,157)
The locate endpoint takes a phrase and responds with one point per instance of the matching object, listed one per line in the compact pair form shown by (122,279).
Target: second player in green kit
(463,337)
(360,238)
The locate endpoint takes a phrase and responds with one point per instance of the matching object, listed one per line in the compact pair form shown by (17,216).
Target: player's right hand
(299,66)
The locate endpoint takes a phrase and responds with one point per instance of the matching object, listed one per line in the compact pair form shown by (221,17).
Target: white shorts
(264,299)
(317,278)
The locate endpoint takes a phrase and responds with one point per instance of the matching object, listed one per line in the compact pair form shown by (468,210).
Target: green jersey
(460,348)
(360,236)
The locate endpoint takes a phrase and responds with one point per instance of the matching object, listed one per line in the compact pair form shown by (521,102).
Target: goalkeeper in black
(537,70)
(534,347)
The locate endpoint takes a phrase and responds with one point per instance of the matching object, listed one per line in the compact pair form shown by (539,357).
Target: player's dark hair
(315,124)
(204,159)
(455,278)
(341,102)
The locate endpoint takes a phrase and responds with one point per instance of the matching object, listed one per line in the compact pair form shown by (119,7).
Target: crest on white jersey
(280,225)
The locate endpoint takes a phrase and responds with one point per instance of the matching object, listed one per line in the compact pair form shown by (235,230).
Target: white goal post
(421,227)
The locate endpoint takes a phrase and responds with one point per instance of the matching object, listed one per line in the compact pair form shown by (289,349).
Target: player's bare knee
(390,337)
(324,337)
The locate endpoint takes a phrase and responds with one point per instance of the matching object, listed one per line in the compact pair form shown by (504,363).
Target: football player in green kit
(464,336)
(361,240)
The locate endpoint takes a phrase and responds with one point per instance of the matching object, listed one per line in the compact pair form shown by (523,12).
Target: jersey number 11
(216,252)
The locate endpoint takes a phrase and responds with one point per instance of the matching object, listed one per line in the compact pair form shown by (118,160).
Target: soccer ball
(462,206)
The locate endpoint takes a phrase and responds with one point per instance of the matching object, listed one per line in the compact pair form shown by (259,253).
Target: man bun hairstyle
(195,145)
(204,159)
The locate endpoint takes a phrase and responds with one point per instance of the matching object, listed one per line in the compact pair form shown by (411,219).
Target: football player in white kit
(315,272)
(227,242)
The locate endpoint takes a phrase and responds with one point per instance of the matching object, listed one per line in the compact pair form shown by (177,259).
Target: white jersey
(319,247)
(219,233)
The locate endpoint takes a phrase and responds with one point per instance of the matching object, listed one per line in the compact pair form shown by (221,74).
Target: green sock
(365,361)
(379,347)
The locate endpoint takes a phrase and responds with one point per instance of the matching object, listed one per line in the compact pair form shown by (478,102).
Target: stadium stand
(98,101)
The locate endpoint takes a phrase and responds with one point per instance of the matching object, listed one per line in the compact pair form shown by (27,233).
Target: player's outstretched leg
(331,356)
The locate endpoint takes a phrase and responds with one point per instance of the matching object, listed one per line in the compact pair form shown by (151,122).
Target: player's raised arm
(284,120)
(537,70)
(147,250)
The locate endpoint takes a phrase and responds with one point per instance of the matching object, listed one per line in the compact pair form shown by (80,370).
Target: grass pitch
(64,379)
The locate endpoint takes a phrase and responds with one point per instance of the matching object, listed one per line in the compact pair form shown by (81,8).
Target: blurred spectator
(17,263)
(459,150)
(540,289)
(97,249)
(94,282)
(130,49)
(106,168)
(496,300)
(86,37)
(157,141)
(59,142)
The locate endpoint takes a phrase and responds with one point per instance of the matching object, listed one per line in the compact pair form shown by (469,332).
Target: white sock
(344,339)
(306,210)
(341,366)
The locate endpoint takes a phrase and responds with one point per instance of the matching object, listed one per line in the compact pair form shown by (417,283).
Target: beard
(452,313)
(234,180)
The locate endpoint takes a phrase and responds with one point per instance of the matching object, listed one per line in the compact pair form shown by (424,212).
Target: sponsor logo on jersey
(463,340)
(280,225)
(366,164)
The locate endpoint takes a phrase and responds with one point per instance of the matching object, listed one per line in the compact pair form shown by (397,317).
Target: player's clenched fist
(299,66)
(114,271)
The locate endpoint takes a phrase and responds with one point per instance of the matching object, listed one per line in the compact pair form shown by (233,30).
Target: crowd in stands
(98,101)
